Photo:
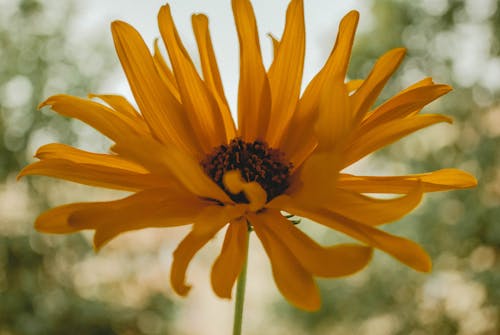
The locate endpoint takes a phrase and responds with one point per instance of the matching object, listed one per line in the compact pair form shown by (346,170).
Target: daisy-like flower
(187,163)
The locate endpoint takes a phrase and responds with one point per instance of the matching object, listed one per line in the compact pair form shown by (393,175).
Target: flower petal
(254,100)
(165,72)
(194,241)
(110,123)
(119,104)
(228,265)
(163,113)
(403,105)
(66,152)
(335,118)
(299,140)
(285,74)
(169,161)
(55,220)
(146,209)
(365,96)
(94,175)
(335,261)
(390,132)
(293,280)
(372,211)
(201,107)
(440,180)
(211,71)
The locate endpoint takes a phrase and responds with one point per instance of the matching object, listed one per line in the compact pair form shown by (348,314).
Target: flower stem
(240,294)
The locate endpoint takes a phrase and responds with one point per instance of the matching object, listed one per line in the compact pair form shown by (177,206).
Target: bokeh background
(57,284)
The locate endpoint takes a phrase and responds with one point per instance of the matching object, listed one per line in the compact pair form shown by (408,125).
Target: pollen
(255,160)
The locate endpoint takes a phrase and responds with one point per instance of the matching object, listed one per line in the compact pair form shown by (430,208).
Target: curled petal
(228,265)
(335,261)
(293,280)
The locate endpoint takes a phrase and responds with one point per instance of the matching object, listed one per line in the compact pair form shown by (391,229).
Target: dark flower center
(256,161)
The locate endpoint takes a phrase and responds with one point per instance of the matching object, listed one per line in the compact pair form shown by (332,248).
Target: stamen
(255,160)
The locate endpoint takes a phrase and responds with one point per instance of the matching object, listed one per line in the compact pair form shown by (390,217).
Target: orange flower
(187,163)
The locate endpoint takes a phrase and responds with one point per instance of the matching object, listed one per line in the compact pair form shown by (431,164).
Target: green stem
(240,294)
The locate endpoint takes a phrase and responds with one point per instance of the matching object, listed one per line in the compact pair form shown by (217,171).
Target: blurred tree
(455,42)
(38,59)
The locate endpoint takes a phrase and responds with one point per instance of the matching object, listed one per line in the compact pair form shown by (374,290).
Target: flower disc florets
(255,160)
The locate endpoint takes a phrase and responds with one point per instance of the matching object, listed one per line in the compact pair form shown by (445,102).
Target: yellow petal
(146,209)
(55,220)
(163,113)
(228,265)
(119,104)
(383,69)
(112,124)
(94,175)
(169,161)
(165,72)
(298,141)
(372,211)
(193,242)
(440,180)
(335,261)
(254,100)
(353,85)
(388,133)
(335,118)
(211,71)
(285,74)
(406,251)
(403,105)
(66,152)
(276,44)
(293,280)
(201,107)
(255,194)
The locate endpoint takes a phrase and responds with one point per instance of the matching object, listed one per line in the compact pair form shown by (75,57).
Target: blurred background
(56,284)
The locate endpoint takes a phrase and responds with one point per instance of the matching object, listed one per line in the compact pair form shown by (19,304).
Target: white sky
(322,18)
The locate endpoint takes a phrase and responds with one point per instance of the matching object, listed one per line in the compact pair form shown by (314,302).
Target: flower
(187,163)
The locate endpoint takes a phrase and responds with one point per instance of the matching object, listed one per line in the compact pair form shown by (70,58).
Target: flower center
(255,160)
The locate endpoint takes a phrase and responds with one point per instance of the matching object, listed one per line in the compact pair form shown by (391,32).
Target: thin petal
(211,71)
(55,220)
(353,85)
(201,107)
(163,113)
(276,44)
(110,123)
(335,261)
(254,101)
(193,242)
(165,72)
(372,211)
(228,265)
(63,151)
(169,161)
(285,74)
(383,69)
(335,118)
(299,140)
(406,251)
(94,175)
(119,104)
(388,133)
(146,209)
(440,180)
(293,280)
(403,105)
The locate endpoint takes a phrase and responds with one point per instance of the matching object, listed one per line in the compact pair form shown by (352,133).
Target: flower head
(187,163)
